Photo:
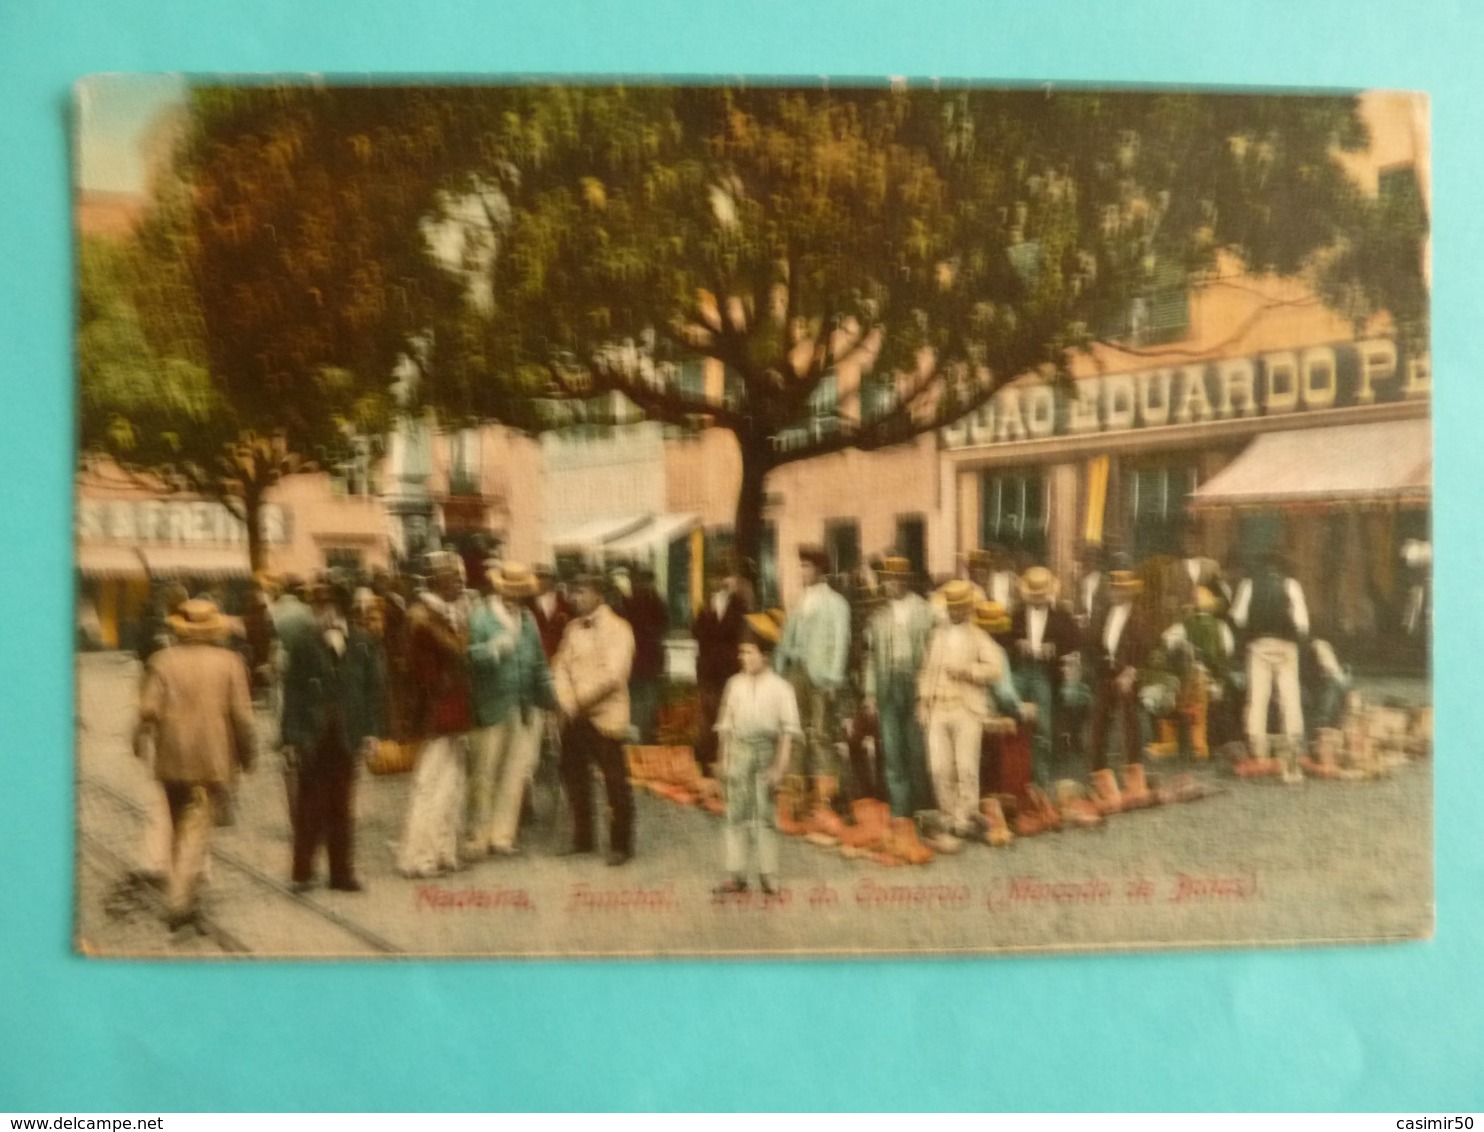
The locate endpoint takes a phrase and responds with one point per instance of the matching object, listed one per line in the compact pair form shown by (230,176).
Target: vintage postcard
(762,518)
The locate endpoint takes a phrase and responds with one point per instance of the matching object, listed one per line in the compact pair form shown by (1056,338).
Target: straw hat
(511,579)
(957,594)
(983,558)
(1039,582)
(992,617)
(767,625)
(198,620)
(1125,581)
(895,566)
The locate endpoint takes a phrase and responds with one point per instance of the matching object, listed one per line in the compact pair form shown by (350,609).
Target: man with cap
(1118,646)
(813,656)
(591,673)
(953,704)
(897,636)
(512,691)
(1043,639)
(196,711)
(442,715)
(334,684)
(717,629)
(1269,608)
(649,619)
(1090,590)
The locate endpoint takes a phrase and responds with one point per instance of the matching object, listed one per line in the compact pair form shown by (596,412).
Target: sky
(112,113)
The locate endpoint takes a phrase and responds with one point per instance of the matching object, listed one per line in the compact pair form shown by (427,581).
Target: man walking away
(196,709)
(1270,608)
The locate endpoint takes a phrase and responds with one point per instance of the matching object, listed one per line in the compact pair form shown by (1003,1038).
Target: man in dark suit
(717,628)
(1117,646)
(333,686)
(1043,636)
(549,609)
(646,614)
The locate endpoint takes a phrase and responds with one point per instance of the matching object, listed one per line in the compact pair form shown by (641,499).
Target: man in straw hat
(897,636)
(1043,638)
(757,726)
(334,684)
(512,691)
(813,655)
(952,706)
(1118,646)
(591,673)
(442,715)
(196,710)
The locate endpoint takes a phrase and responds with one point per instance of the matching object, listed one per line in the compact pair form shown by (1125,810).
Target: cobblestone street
(1259,862)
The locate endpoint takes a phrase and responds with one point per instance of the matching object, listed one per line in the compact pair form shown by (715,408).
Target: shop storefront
(1318,448)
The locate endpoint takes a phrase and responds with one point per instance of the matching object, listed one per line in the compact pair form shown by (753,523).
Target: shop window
(842,542)
(911,542)
(677,581)
(1156,505)
(878,395)
(343,559)
(1013,510)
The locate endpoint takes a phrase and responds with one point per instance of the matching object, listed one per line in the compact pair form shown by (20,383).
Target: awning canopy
(1379,462)
(595,534)
(196,562)
(110,562)
(658,532)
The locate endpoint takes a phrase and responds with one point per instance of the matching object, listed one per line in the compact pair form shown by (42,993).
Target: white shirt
(754,706)
(1002,588)
(1090,585)
(548,603)
(1113,630)
(1193,568)
(1035,625)
(719,601)
(901,609)
(812,597)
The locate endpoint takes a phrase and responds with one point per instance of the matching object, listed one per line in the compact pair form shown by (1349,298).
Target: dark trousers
(582,745)
(710,696)
(1106,702)
(323,813)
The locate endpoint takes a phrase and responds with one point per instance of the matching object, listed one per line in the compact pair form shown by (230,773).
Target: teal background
(1389,1028)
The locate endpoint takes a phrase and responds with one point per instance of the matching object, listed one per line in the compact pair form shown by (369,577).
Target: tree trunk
(252,517)
(748,529)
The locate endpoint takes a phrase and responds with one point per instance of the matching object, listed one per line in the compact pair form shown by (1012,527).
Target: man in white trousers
(952,707)
(512,692)
(1269,606)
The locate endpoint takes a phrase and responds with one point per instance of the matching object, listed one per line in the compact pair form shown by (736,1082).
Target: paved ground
(1259,863)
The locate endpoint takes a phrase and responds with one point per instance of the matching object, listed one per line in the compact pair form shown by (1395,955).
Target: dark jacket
(646,614)
(551,628)
(1133,644)
(1061,631)
(322,691)
(717,641)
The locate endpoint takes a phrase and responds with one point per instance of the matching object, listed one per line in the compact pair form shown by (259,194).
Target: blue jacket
(507,673)
(818,642)
(317,685)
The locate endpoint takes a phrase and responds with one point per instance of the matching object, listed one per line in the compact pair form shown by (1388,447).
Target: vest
(1271,611)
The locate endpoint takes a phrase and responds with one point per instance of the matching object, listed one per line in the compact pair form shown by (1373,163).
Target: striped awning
(109,562)
(1376,462)
(196,561)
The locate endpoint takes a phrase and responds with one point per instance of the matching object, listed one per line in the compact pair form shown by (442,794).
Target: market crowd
(981,706)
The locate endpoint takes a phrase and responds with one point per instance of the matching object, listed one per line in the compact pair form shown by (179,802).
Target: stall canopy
(1380,462)
(593,535)
(110,562)
(196,562)
(656,534)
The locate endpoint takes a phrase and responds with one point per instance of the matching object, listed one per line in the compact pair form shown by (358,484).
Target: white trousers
(953,736)
(1270,661)
(502,758)
(430,841)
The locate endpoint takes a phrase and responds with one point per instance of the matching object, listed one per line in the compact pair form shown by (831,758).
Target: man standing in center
(1044,638)
(813,656)
(952,707)
(897,641)
(512,691)
(591,672)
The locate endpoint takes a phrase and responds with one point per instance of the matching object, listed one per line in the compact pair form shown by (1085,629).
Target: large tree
(948,240)
(254,321)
